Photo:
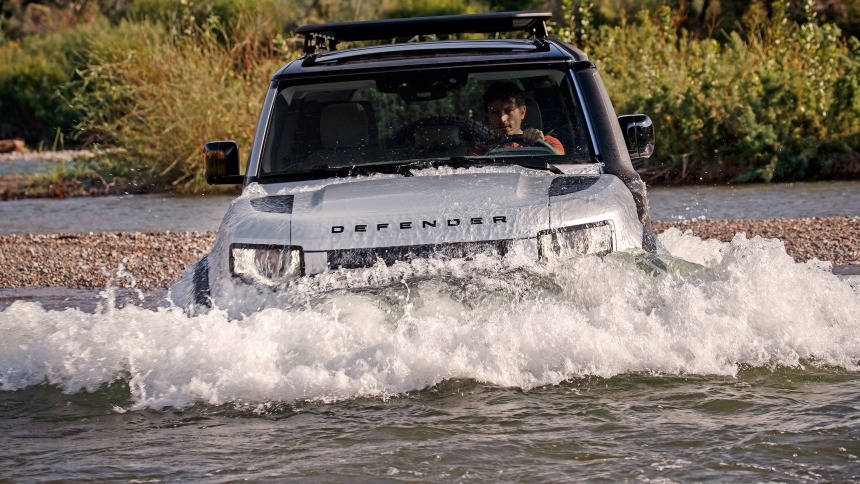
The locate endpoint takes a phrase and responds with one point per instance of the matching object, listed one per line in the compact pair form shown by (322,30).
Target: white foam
(502,322)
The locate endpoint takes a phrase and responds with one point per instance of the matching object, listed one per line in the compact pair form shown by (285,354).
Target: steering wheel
(518,138)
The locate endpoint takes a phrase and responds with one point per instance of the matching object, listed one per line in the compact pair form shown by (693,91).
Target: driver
(505,105)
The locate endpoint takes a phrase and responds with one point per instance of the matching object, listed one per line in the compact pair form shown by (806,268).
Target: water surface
(721,362)
(141,213)
(756,201)
(147,213)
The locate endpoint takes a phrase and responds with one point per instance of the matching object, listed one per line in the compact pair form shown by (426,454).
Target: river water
(719,362)
(148,213)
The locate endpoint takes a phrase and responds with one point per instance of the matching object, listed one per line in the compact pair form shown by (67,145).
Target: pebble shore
(94,260)
(834,239)
(153,261)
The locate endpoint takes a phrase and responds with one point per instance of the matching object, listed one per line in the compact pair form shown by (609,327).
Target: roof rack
(316,36)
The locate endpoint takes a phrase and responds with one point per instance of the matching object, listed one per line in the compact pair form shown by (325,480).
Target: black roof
(430,55)
(316,36)
(321,60)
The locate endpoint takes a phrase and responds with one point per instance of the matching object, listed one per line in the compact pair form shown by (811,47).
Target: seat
(533,117)
(348,135)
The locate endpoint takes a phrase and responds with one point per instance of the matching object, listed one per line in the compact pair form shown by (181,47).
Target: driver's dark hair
(505,91)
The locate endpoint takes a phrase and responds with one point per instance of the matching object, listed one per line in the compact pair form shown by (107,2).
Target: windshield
(387,121)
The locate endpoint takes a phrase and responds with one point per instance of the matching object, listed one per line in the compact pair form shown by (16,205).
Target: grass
(775,100)
(164,99)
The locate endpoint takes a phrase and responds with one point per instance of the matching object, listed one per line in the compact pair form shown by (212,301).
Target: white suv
(427,149)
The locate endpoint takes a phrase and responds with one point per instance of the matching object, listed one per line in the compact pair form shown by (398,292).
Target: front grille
(358,258)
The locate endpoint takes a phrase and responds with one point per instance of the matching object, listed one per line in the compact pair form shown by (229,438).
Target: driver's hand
(532,136)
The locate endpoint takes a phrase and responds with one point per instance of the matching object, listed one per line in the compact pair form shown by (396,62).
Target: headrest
(344,125)
(437,137)
(533,118)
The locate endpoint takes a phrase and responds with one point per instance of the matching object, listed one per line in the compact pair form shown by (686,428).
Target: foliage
(427,8)
(31,106)
(39,81)
(714,18)
(79,177)
(777,100)
(740,91)
(162,100)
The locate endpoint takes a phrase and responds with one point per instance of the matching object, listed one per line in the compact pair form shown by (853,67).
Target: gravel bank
(155,260)
(834,239)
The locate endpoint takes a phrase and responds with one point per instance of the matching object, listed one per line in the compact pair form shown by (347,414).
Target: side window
(278,140)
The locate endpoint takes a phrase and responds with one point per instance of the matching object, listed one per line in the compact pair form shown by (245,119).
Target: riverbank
(61,174)
(39,174)
(154,260)
(834,239)
(94,260)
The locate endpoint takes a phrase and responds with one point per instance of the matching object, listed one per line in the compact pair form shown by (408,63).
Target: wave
(703,308)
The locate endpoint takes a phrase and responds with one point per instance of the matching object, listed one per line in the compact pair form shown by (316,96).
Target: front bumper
(277,265)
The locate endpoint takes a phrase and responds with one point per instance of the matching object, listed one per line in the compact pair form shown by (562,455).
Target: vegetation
(738,91)
(774,100)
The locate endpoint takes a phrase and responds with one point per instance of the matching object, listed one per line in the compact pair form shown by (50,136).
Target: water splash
(710,308)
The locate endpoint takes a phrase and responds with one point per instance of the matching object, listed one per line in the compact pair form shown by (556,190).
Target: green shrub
(776,101)
(772,100)
(428,8)
(228,20)
(41,75)
(33,96)
(161,100)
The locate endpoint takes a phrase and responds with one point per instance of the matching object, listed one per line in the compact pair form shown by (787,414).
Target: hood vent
(565,185)
(273,204)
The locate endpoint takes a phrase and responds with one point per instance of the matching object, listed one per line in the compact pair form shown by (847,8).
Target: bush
(776,101)
(773,100)
(428,8)
(161,100)
(42,77)
(33,103)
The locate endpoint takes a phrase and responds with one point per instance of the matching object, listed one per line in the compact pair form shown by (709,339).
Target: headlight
(576,241)
(271,265)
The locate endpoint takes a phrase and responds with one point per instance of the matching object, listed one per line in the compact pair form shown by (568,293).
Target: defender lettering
(451,222)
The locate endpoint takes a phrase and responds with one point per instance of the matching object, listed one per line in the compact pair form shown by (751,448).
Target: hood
(397,211)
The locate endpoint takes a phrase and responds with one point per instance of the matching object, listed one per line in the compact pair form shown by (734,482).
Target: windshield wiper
(405,167)
(302,175)
(526,162)
(324,171)
(385,168)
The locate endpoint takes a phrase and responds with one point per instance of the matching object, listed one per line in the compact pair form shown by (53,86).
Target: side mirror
(638,134)
(222,163)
